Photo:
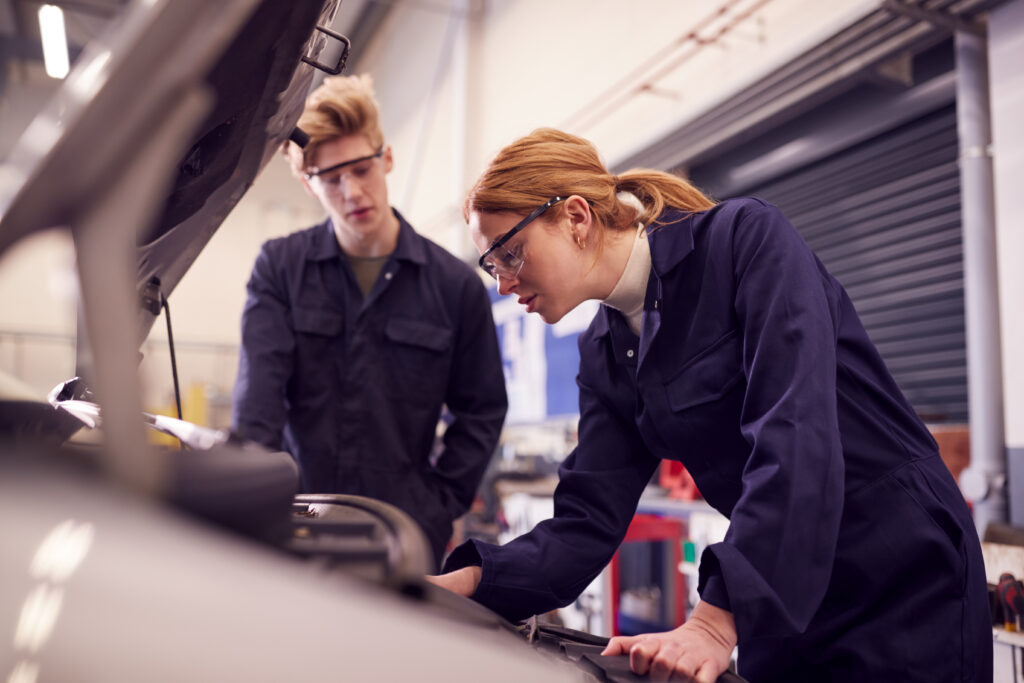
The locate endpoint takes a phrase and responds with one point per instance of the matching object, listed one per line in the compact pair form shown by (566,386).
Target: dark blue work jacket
(850,551)
(354,388)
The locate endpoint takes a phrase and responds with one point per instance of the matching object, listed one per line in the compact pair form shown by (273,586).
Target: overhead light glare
(55,42)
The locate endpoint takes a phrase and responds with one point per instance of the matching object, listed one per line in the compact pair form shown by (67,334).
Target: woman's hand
(698,650)
(461,581)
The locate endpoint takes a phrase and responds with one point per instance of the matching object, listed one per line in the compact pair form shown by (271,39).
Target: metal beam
(812,78)
(952,22)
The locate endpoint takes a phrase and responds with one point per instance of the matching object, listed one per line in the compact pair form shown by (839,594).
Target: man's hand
(461,581)
(698,650)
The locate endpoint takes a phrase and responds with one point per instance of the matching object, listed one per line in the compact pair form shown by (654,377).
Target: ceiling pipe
(645,77)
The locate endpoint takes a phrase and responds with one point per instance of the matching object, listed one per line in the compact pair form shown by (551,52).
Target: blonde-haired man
(357,332)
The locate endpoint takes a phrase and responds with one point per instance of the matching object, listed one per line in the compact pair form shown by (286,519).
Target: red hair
(549,163)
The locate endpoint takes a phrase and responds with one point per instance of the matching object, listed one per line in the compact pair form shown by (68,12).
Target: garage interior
(888,131)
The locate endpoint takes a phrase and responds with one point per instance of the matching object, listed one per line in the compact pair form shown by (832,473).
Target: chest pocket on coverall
(419,357)
(705,398)
(317,335)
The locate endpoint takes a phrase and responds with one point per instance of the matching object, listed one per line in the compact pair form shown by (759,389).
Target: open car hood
(149,143)
(236,70)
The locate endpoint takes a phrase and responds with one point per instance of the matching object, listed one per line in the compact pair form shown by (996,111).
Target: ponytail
(549,163)
(658,190)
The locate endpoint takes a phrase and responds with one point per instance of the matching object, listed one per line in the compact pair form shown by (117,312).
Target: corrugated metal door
(884,217)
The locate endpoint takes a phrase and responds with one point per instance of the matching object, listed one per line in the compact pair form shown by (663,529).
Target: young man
(358,331)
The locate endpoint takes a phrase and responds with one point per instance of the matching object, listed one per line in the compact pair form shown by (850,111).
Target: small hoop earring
(580,242)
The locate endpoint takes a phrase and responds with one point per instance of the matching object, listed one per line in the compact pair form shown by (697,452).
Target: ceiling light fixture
(55,42)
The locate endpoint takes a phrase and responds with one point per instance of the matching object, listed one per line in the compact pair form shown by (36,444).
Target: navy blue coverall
(354,388)
(851,554)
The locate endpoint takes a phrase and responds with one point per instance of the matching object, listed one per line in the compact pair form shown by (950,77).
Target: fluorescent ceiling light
(55,42)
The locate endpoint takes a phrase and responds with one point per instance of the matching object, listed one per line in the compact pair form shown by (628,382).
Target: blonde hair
(342,105)
(549,163)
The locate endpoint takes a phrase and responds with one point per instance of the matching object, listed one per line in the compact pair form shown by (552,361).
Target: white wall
(1006,54)
(38,288)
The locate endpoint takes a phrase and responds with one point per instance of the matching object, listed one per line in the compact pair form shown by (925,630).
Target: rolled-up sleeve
(775,563)
(266,357)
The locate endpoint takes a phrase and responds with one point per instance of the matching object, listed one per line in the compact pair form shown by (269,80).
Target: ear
(389,160)
(581,218)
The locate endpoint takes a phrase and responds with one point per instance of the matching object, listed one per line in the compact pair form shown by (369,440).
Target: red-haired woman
(724,343)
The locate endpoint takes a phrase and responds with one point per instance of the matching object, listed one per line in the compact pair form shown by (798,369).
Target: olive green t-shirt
(366,270)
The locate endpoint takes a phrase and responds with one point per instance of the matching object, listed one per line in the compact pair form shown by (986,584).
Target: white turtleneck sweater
(629,292)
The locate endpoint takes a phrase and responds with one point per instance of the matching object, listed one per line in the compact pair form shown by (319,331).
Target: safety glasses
(497,260)
(329,179)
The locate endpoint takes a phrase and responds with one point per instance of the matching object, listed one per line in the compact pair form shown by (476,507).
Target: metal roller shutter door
(884,217)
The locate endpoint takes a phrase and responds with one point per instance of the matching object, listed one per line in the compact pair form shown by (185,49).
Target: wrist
(716,622)
(473,576)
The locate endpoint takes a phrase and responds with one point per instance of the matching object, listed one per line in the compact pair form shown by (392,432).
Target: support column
(985,481)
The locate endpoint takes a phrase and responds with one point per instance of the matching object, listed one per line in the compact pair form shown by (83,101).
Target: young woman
(725,344)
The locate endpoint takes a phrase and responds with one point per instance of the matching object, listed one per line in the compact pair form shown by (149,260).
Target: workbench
(1008,656)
